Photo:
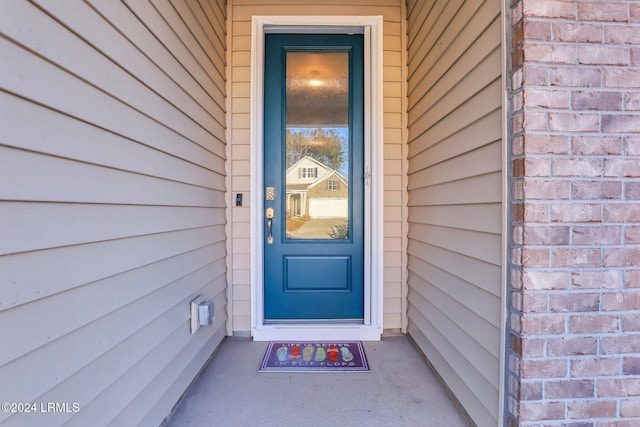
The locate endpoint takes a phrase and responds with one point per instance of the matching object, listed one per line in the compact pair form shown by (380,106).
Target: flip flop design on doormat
(307,356)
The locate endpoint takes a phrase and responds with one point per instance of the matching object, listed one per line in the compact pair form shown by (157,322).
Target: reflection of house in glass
(315,190)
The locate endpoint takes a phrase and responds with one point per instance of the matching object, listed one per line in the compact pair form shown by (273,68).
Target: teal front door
(314,178)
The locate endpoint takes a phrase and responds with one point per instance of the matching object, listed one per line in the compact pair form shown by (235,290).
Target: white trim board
(371,329)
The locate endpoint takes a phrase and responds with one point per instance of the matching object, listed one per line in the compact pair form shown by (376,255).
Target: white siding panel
(101,297)
(426,152)
(455,196)
(79,99)
(71,224)
(78,140)
(112,163)
(36,177)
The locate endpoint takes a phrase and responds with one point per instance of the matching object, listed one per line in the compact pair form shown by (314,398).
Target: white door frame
(372,328)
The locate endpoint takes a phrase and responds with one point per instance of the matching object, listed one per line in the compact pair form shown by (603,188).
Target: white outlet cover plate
(195,321)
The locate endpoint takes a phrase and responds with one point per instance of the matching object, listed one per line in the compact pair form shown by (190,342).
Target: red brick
(515,345)
(622,167)
(620,387)
(576,258)
(622,78)
(535,258)
(606,11)
(595,367)
(537,280)
(596,100)
(622,212)
(546,190)
(577,167)
(607,279)
(633,146)
(578,32)
(530,390)
(630,408)
(533,347)
(517,35)
(546,235)
(517,122)
(517,212)
(596,190)
(631,322)
(622,35)
(621,257)
(598,235)
(516,279)
(550,53)
(631,423)
(569,389)
(632,191)
(574,302)
(517,145)
(622,123)
(575,77)
(572,346)
(517,167)
(631,366)
(632,279)
(517,235)
(574,122)
(516,300)
(632,235)
(621,301)
(547,98)
(517,57)
(592,409)
(536,213)
(603,55)
(596,145)
(632,101)
(635,13)
(538,411)
(576,212)
(536,30)
(572,77)
(517,101)
(533,120)
(534,75)
(595,324)
(622,344)
(537,167)
(541,325)
(534,303)
(547,144)
(549,9)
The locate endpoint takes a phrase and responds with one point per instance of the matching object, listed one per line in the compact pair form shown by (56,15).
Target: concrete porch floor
(400,390)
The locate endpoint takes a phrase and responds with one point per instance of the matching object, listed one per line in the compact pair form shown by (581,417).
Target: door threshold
(316,332)
(325,322)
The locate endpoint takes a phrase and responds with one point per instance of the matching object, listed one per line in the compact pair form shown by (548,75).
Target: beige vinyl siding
(112,164)
(454,195)
(242,12)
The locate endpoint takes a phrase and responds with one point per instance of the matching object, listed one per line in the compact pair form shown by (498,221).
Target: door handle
(269,214)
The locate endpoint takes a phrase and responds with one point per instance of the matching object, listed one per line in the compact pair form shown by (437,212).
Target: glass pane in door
(317,145)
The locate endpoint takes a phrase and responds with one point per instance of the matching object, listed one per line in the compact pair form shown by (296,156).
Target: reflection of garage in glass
(315,190)
(328,208)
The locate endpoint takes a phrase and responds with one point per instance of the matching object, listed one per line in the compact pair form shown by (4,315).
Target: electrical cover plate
(195,321)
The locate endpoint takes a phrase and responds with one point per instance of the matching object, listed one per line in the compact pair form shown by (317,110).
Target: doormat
(311,356)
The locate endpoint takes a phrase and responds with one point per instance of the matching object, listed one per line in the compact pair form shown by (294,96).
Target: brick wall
(574,344)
